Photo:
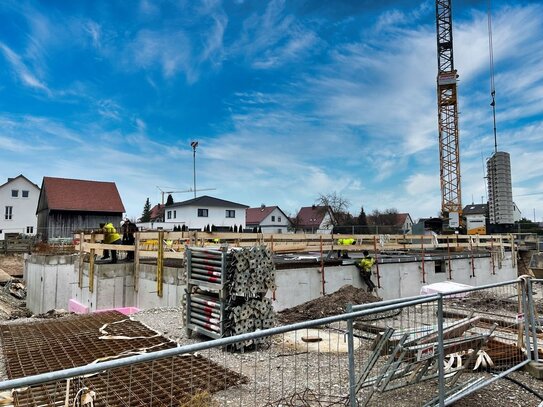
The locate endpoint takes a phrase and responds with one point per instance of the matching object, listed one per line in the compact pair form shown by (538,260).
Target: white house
(270,219)
(205,210)
(18,203)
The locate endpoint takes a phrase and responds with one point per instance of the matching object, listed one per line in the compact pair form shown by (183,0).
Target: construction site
(188,292)
(448,315)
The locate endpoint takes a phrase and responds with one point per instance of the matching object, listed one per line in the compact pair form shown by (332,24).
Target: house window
(202,213)
(14,193)
(230,213)
(273,218)
(279,219)
(9,213)
(29,230)
(169,214)
(174,214)
(25,194)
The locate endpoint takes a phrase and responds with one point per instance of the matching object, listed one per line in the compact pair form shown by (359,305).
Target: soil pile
(327,305)
(12,264)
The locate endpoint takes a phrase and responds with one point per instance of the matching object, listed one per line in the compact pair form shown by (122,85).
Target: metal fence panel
(427,350)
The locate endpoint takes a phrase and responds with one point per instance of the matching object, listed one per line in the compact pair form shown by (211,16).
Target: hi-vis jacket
(366,264)
(111,234)
(346,241)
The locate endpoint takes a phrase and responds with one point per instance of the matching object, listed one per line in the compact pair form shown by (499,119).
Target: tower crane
(447,102)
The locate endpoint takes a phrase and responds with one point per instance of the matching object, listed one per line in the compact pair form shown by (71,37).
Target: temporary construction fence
(424,350)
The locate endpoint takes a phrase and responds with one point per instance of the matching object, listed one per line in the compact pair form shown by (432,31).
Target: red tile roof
(253,216)
(311,215)
(157,212)
(81,195)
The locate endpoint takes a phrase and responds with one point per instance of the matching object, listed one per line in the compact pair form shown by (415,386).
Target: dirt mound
(327,305)
(12,264)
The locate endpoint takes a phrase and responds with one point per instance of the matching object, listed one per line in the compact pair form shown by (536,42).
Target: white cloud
(274,38)
(22,71)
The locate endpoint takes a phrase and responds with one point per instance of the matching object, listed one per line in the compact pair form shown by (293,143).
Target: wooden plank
(103,246)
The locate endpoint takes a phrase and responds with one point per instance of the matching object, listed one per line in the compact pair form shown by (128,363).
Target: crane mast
(449,158)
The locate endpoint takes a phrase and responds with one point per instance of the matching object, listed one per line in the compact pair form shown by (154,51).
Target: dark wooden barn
(68,205)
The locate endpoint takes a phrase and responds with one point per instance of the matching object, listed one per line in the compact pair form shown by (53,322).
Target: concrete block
(535,369)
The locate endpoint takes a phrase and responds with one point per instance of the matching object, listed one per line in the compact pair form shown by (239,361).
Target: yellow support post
(81,258)
(91,265)
(160,263)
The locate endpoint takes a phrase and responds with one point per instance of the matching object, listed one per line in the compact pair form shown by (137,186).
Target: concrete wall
(49,281)
(174,286)
(397,280)
(52,281)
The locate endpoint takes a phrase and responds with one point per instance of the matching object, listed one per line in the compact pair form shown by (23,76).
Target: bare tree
(295,222)
(338,205)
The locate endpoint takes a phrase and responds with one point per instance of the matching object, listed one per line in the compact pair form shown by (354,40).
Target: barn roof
(81,195)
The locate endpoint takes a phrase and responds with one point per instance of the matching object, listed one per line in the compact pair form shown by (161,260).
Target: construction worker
(110,237)
(364,265)
(345,242)
(128,228)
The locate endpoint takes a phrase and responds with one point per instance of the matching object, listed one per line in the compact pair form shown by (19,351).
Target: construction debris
(327,305)
(16,288)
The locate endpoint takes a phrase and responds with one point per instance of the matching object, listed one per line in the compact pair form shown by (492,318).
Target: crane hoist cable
(491,61)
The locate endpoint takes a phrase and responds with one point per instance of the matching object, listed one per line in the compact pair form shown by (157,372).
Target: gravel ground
(291,371)
(298,370)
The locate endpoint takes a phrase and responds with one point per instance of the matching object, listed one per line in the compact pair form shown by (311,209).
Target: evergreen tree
(169,200)
(362,220)
(259,229)
(146,215)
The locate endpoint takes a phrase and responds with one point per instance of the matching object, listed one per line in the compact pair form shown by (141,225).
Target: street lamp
(194,144)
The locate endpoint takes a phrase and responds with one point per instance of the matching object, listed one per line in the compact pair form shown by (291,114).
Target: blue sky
(288,99)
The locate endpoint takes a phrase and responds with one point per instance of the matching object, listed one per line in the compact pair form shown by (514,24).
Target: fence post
(350,349)
(441,351)
(531,308)
(523,286)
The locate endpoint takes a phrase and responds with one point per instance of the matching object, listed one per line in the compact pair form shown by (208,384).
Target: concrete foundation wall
(397,280)
(49,281)
(53,280)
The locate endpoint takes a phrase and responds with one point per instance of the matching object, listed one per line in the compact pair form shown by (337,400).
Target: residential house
(314,219)
(157,213)
(18,200)
(270,219)
(68,205)
(404,223)
(476,216)
(156,221)
(390,223)
(205,210)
